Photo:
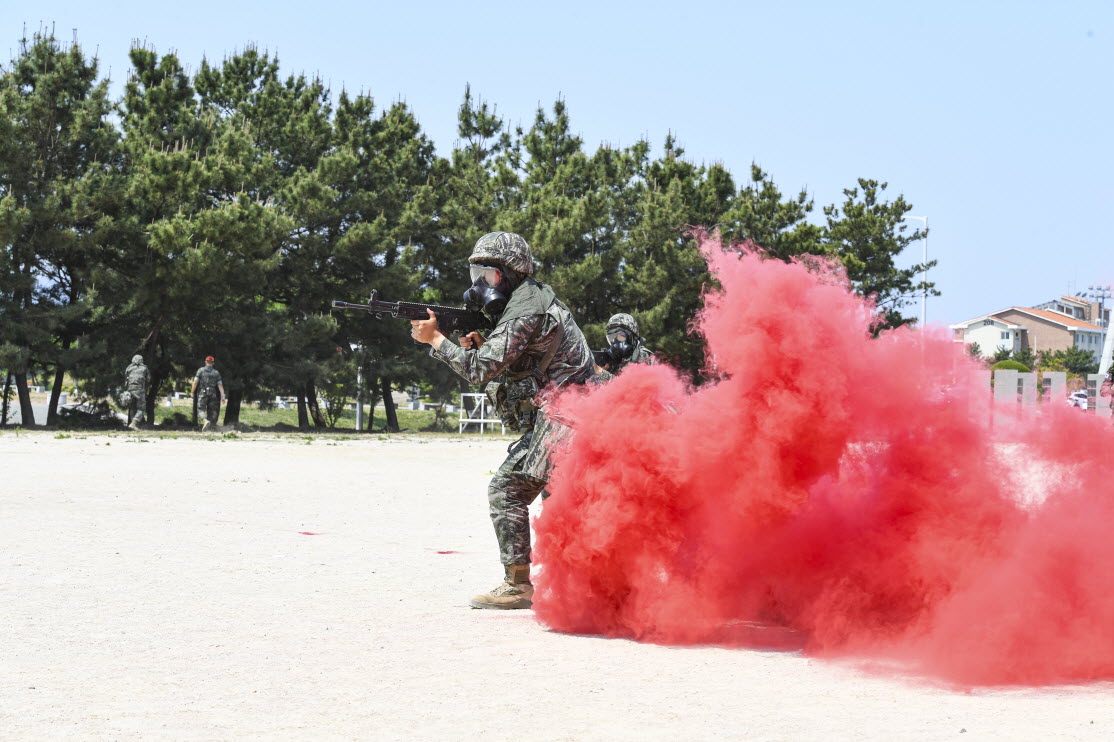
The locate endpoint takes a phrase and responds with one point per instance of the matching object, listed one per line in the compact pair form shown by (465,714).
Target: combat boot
(205,426)
(515,592)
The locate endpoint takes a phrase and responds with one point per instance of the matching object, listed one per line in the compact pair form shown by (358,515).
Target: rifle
(449,319)
(602,357)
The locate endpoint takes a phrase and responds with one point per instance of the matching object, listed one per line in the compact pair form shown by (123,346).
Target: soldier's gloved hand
(472,340)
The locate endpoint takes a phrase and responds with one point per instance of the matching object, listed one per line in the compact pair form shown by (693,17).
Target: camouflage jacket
(207,379)
(534,325)
(526,331)
(136,377)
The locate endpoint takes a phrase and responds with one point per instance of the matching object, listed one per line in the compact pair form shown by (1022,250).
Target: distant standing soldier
(136,380)
(208,390)
(625,345)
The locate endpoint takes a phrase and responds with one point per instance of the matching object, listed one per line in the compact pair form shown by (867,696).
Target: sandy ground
(170,589)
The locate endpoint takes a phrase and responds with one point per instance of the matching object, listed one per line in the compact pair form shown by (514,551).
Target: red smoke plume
(845,495)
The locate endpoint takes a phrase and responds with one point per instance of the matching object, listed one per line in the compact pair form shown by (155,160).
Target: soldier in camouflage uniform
(535,345)
(136,380)
(209,393)
(625,345)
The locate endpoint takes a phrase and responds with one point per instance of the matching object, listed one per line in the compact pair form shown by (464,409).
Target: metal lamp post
(924,271)
(359,388)
(1102,293)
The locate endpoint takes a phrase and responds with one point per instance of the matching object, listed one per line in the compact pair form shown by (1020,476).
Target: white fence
(476,410)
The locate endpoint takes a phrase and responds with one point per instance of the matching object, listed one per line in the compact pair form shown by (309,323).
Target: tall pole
(359,387)
(359,398)
(1102,293)
(924,269)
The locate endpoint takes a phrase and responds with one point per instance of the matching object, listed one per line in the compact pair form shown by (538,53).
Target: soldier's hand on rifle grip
(472,340)
(425,330)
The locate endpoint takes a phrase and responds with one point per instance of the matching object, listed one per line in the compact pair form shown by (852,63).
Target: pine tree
(57,160)
(867,234)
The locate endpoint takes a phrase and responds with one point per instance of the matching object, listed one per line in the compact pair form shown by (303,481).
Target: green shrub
(1010,366)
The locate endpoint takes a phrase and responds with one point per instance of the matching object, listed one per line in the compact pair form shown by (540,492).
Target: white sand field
(166,589)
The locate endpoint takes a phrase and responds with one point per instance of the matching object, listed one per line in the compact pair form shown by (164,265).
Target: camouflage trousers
(510,493)
(137,406)
(208,407)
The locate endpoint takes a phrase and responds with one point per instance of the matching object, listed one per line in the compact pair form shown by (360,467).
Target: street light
(924,270)
(359,387)
(1102,293)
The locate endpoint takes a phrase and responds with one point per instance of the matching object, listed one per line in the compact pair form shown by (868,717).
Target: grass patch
(412,421)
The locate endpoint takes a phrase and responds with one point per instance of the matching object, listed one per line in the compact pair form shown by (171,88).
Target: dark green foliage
(1002,354)
(1009,366)
(1073,360)
(1025,356)
(57,180)
(220,213)
(866,234)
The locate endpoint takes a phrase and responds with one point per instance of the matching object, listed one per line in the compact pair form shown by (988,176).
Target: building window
(1005,336)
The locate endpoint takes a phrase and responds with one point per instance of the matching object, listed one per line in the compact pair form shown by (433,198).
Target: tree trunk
(389,406)
(24,393)
(232,406)
(303,414)
(372,403)
(7,399)
(55,390)
(314,408)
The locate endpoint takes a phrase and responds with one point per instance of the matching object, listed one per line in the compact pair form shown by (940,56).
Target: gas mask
(621,345)
(487,290)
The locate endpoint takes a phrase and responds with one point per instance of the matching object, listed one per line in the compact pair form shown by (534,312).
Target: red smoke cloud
(833,492)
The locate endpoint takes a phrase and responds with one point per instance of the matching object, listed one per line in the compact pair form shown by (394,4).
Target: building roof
(1076,299)
(1061,319)
(965,323)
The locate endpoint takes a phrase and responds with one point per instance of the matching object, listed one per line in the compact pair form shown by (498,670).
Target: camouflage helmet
(506,249)
(137,358)
(623,322)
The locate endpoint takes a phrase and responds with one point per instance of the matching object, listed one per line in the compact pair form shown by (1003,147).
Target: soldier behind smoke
(624,345)
(535,344)
(136,380)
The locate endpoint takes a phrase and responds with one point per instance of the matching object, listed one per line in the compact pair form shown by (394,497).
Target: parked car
(1078,399)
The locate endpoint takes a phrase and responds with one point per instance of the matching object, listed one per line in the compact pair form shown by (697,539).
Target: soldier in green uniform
(136,380)
(208,390)
(535,345)
(625,345)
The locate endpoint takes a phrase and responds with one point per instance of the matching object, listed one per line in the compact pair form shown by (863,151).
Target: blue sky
(994,119)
